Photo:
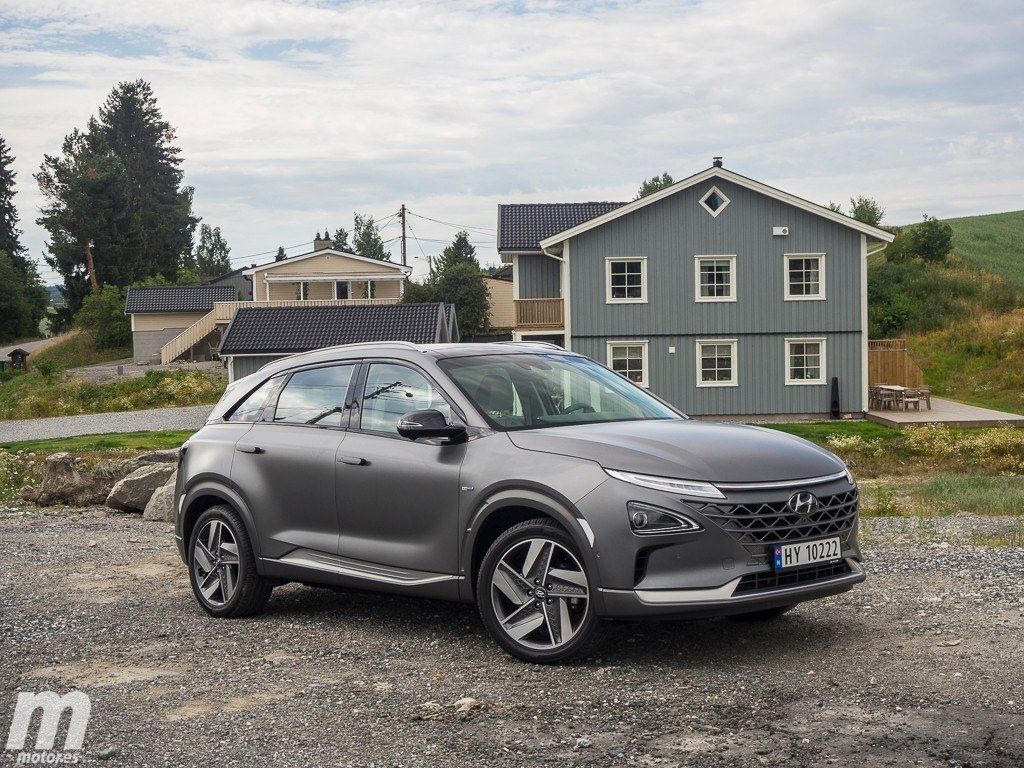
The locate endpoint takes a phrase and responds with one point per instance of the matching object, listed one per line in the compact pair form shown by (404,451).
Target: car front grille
(757,525)
(755,582)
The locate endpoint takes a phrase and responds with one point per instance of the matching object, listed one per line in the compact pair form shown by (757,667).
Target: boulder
(161,503)
(132,493)
(66,480)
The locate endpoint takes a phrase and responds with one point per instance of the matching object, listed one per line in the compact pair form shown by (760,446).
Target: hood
(687,449)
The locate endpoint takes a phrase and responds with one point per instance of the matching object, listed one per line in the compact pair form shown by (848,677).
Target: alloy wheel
(215,560)
(540,594)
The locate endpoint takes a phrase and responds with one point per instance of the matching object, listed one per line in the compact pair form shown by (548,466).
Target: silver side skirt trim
(725,592)
(343,566)
(781,483)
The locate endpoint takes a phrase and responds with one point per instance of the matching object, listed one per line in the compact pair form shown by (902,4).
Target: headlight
(648,520)
(849,476)
(670,484)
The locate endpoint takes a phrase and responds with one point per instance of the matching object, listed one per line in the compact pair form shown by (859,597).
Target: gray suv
(535,482)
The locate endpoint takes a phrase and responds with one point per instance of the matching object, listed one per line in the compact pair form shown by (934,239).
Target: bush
(47,368)
(102,314)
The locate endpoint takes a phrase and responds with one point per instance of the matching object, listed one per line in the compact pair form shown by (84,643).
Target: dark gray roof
(287,330)
(177,298)
(521,226)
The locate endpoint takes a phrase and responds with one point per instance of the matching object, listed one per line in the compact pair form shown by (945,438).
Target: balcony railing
(539,314)
(225,310)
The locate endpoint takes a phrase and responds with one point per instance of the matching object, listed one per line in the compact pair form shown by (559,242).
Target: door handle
(355,461)
(250,449)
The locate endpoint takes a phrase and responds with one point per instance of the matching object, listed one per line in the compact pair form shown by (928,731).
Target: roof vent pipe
(717,161)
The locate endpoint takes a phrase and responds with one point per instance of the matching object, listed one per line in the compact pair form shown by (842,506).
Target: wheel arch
(506,508)
(206,494)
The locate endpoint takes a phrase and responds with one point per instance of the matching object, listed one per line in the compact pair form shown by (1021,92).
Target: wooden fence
(889,362)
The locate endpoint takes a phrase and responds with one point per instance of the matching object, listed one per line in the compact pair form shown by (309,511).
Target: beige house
(172,322)
(500,292)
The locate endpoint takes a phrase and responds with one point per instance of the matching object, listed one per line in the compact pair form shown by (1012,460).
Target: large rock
(161,503)
(66,480)
(132,493)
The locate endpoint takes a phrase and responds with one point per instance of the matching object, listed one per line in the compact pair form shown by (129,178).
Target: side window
(392,391)
(316,396)
(249,409)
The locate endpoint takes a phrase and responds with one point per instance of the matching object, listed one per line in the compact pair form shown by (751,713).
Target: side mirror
(429,423)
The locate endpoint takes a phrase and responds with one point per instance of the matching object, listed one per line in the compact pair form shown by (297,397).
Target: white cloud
(293,114)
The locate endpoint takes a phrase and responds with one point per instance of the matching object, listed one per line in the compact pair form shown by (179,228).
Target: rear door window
(315,397)
(252,406)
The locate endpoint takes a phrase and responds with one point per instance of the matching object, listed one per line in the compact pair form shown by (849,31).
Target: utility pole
(401,215)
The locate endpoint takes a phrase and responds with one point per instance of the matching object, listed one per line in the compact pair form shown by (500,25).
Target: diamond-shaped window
(714,201)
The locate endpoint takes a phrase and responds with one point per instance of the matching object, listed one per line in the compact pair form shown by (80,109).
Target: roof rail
(547,344)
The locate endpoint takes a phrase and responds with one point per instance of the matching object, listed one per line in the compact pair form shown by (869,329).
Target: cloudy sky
(292,115)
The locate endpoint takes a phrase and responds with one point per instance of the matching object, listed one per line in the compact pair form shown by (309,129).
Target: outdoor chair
(911,397)
(925,393)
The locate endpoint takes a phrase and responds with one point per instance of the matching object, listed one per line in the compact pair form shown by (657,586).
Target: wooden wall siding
(889,362)
(761,374)
(159,321)
(669,233)
(502,312)
(539,277)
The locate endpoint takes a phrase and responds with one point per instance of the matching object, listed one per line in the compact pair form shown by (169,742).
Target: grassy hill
(994,242)
(964,320)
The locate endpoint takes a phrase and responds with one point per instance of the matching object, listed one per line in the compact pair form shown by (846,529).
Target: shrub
(102,314)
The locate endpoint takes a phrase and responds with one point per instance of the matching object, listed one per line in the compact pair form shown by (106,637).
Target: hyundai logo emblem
(803,503)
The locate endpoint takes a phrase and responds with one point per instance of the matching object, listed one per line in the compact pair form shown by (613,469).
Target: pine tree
(280,255)
(340,240)
(461,251)
(367,241)
(33,297)
(211,253)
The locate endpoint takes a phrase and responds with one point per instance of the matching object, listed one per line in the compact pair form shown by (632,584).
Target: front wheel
(534,593)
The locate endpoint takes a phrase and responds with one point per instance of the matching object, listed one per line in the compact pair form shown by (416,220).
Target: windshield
(534,390)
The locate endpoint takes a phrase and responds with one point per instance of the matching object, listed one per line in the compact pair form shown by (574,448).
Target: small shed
(259,335)
(19,359)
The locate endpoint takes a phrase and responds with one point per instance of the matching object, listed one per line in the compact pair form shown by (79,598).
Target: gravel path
(192,417)
(921,665)
(29,346)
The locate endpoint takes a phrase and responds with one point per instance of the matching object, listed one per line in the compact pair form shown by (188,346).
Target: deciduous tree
(654,184)
(867,210)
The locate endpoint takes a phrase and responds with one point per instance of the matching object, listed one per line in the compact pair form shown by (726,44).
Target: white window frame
(722,207)
(821,340)
(644,344)
(608,280)
(820,295)
(696,277)
(734,381)
(303,290)
(335,288)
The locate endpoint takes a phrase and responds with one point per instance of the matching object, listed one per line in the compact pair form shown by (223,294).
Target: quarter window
(715,278)
(716,363)
(315,396)
(629,359)
(251,407)
(805,361)
(626,280)
(805,277)
(392,391)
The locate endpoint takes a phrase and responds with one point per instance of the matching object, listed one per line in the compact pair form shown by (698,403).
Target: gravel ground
(921,665)
(192,417)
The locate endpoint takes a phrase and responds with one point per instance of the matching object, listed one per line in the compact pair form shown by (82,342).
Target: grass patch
(1014,539)
(75,350)
(130,441)
(819,431)
(994,242)
(945,494)
(34,394)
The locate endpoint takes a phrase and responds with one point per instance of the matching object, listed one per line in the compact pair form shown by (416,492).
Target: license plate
(806,553)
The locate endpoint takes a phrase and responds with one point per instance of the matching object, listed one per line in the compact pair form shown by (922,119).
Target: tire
(228,572)
(765,615)
(509,578)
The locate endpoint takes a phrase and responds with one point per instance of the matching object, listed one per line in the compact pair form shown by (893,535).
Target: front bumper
(730,598)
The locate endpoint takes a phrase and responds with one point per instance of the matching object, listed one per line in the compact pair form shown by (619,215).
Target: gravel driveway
(921,665)
(192,417)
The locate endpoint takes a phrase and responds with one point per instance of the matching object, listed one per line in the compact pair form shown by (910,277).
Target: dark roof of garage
(521,226)
(177,298)
(288,330)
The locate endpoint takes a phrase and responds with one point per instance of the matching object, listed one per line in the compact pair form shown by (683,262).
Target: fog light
(648,520)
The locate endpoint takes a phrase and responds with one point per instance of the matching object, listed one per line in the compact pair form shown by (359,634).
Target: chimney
(717,161)
(319,243)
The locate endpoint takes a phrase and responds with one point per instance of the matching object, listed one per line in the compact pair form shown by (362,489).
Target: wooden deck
(948,413)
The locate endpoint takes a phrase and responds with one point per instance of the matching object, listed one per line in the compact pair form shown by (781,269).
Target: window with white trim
(805,361)
(626,280)
(715,278)
(716,363)
(805,276)
(629,359)
(714,201)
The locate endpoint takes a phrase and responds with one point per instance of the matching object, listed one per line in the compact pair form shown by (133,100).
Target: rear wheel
(765,615)
(222,567)
(534,593)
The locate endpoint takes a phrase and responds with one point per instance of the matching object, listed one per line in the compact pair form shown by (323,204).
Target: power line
(478,230)
(430,262)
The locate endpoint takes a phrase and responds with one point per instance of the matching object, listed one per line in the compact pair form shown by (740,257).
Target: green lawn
(994,242)
(131,441)
(76,350)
